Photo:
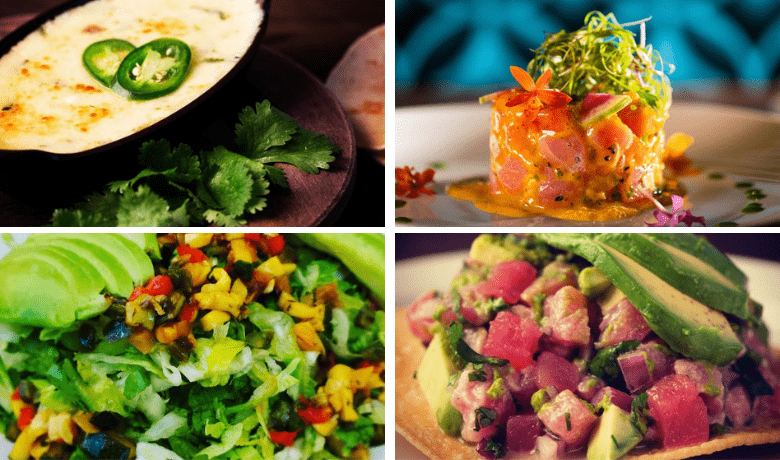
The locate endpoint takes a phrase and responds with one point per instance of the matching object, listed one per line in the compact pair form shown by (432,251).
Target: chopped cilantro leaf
(308,151)
(263,128)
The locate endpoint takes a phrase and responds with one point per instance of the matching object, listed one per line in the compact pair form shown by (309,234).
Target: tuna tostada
(602,346)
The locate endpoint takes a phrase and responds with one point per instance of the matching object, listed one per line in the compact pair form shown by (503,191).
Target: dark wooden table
(315,34)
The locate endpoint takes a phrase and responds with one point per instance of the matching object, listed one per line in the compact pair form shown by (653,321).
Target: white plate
(741,143)
(414,276)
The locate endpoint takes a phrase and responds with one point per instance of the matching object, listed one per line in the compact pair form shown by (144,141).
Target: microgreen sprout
(603,56)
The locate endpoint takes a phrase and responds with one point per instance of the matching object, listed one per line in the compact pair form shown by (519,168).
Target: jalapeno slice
(153,70)
(102,59)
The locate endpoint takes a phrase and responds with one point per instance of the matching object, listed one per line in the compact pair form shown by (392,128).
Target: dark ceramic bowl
(134,140)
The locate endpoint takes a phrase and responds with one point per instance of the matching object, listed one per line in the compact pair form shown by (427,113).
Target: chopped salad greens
(239,346)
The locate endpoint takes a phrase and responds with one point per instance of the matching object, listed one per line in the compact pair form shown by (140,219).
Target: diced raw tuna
(522,384)
(589,386)
(512,174)
(567,152)
(470,297)
(768,406)
(555,371)
(468,396)
(475,337)
(708,380)
(554,276)
(514,338)
(737,406)
(612,134)
(615,396)
(566,317)
(522,431)
(621,323)
(508,280)
(558,193)
(574,428)
(420,314)
(679,412)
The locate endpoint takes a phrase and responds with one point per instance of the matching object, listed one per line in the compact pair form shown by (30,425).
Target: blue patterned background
(464,45)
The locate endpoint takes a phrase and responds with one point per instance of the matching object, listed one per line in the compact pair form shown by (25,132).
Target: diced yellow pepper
(339,391)
(22,446)
(274,268)
(40,423)
(82,419)
(359,453)
(242,250)
(199,272)
(37,450)
(213,319)
(307,337)
(326,428)
(234,236)
(197,240)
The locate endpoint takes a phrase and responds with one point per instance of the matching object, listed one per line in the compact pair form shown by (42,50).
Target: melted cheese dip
(50,102)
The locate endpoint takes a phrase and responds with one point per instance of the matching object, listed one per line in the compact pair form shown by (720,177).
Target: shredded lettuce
(171,424)
(283,346)
(149,451)
(227,441)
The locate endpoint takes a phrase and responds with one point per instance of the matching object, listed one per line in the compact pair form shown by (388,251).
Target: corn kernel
(197,240)
(213,319)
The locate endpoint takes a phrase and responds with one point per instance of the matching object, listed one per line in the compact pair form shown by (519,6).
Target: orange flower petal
(402,189)
(521,98)
(544,79)
(523,78)
(554,98)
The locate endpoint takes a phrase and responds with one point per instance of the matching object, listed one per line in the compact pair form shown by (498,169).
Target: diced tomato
(15,396)
(196,255)
(514,338)
(508,280)
(311,414)
(273,246)
(159,285)
(25,417)
(284,438)
(680,412)
(188,312)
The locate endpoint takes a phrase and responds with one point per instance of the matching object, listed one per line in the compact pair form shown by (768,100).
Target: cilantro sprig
(179,187)
(603,56)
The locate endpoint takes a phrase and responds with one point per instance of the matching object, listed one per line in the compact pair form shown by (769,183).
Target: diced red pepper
(311,414)
(196,255)
(15,396)
(284,438)
(188,312)
(25,417)
(159,285)
(273,246)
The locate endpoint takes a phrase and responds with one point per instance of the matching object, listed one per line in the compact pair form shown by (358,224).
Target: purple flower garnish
(665,218)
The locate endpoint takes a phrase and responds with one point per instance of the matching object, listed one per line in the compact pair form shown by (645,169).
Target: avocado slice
(147,242)
(131,257)
(614,436)
(685,324)
(682,271)
(434,376)
(44,287)
(703,250)
(117,279)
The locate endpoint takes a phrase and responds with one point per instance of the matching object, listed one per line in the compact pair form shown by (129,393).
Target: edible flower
(665,218)
(410,184)
(536,91)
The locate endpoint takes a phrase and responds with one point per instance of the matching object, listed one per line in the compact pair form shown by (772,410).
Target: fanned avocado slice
(683,271)
(703,250)
(129,255)
(118,280)
(43,286)
(147,242)
(685,324)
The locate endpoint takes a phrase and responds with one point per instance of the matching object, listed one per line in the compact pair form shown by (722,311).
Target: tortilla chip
(415,421)
(358,80)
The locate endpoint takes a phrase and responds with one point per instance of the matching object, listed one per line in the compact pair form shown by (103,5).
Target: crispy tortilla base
(416,423)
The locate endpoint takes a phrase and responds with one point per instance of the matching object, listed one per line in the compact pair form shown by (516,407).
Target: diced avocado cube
(614,435)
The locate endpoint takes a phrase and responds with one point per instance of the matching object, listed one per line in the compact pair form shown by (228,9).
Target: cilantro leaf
(263,128)
(229,184)
(276,176)
(97,211)
(144,208)
(308,151)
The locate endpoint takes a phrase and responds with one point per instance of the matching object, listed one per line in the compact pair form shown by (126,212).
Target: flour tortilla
(358,80)
(416,423)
